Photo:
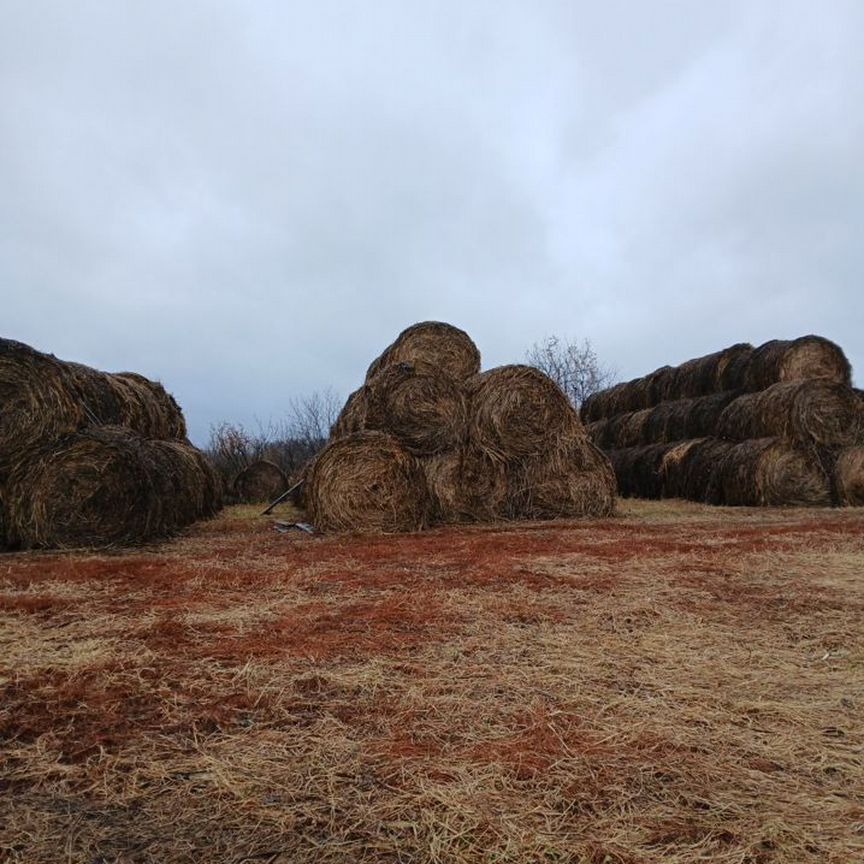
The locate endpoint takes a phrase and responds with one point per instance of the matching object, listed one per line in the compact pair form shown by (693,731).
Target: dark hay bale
(517,411)
(262,481)
(638,470)
(686,469)
(814,412)
(849,476)
(442,345)
(421,405)
(352,417)
(709,374)
(628,430)
(573,479)
(795,360)
(367,482)
(148,408)
(768,471)
(108,486)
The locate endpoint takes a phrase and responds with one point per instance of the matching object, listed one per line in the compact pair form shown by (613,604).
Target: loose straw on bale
(352,417)
(366,481)
(517,411)
(849,476)
(444,346)
(262,480)
(418,403)
(108,486)
(814,412)
(573,479)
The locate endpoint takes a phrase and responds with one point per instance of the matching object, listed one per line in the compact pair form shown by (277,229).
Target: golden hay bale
(352,417)
(573,479)
(849,476)
(517,411)
(421,405)
(108,486)
(444,346)
(795,360)
(814,412)
(260,481)
(768,471)
(367,482)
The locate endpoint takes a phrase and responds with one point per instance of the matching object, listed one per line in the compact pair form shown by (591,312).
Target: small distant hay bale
(261,481)
(421,405)
(573,480)
(807,357)
(352,417)
(107,486)
(517,411)
(849,476)
(442,345)
(367,481)
(768,472)
(816,412)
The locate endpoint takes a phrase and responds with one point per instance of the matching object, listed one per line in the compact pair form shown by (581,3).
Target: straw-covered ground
(680,683)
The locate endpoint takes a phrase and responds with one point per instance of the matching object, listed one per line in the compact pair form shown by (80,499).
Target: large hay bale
(148,408)
(686,470)
(352,417)
(573,479)
(261,481)
(517,411)
(768,471)
(815,412)
(444,346)
(421,405)
(367,481)
(849,476)
(107,486)
(797,359)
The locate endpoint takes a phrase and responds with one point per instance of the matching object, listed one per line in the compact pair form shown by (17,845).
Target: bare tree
(573,365)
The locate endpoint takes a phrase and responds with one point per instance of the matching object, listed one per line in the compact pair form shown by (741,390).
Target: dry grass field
(677,684)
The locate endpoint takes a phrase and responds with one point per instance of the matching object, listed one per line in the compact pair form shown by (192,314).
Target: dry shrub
(849,476)
(263,480)
(366,481)
(444,346)
(352,417)
(686,469)
(108,486)
(517,411)
(768,471)
(573,479)
(814,412)
(418,403)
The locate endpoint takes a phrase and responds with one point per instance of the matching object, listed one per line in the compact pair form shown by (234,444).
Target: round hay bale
(367,482)
(352,417)
(442,345)
(768,472)
(422,406)
(797,359)
(147,407)
(260,482)
(686,469)
(638,470)
(573,480)
(105,486)
(443,473)
(815,412)
(517,411)
(849,476)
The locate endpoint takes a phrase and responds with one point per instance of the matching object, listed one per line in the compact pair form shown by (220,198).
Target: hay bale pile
(775,425)
(429,439)
(89,458)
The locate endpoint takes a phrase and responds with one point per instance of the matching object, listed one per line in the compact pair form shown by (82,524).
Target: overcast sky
(249,200)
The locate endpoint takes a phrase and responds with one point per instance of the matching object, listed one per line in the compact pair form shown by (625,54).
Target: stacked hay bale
(88,458)
(429,439)
(779,424)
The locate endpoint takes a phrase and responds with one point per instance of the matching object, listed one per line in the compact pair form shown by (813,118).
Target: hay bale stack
(366,481)
(442,345)
(261,481)
(849,476)
(517,411)
(421,405)
(107,486)
(815,412)
(767,471)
